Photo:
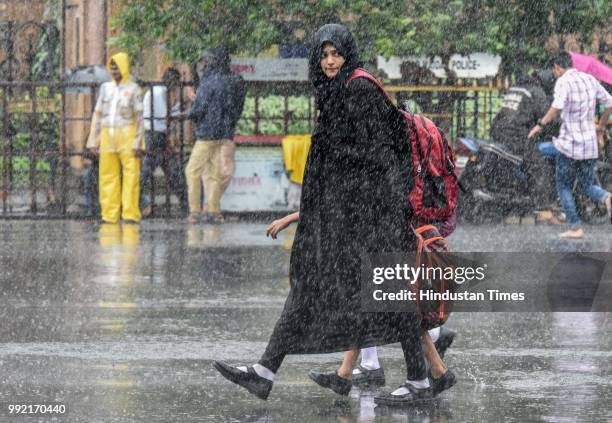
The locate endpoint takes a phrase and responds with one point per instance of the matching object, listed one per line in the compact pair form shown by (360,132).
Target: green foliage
(515,29)
(21,137)
(46,63)
(271,111)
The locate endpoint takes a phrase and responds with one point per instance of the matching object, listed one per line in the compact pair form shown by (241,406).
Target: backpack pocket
(435,193)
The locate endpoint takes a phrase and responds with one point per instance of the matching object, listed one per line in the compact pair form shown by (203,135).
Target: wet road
(120,323)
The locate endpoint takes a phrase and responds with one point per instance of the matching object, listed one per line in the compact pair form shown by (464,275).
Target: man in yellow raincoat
(117,136)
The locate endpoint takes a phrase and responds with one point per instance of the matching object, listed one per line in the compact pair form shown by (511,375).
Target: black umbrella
(85,75)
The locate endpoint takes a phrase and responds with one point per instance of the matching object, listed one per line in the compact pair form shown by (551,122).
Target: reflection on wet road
(121,323)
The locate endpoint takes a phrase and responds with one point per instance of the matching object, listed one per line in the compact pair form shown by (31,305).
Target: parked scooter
(498,183)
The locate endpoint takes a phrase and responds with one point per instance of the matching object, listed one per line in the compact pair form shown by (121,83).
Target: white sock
(261,371)
(434,334)
(369,359)
(419,384)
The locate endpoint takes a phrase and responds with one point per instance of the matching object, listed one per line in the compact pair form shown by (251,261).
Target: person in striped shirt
(575,98)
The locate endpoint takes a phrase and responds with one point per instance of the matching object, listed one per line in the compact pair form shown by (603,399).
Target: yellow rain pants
(119,177)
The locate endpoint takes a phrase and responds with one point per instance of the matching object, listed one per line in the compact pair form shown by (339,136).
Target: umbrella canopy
(592,66)
(86,75)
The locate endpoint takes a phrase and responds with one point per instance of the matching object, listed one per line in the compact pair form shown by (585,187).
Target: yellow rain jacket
(295,153)
(117,130)
(118,112)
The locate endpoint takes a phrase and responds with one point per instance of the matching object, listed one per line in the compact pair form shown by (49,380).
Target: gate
(29,125)
(38,125)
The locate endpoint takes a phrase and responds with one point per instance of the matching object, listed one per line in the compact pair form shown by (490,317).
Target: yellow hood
(123,63)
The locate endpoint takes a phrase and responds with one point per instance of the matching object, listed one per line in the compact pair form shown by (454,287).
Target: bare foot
(438,371)
(214,218)
(193,218)
(576,233)
(146,211)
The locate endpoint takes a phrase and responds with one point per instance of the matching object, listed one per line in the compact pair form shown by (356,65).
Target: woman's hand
(277,226)
(280,224)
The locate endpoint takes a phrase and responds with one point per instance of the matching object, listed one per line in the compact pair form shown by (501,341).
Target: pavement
(120,323)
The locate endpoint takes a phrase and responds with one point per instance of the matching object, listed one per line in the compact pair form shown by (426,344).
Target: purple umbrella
(592,66)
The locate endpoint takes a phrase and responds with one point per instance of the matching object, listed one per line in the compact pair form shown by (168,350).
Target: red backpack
(434,194)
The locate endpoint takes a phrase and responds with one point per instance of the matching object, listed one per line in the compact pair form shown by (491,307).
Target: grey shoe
(332,381)
(369,377)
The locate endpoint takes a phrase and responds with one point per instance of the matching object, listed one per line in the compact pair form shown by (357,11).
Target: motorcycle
(497,183)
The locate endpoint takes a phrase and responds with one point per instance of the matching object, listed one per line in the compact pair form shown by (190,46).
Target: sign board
(259,182)
(260,69)
(475,65)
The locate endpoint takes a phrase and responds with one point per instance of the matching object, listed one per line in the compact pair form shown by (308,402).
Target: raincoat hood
(341,38)
(217,59)
(123,63)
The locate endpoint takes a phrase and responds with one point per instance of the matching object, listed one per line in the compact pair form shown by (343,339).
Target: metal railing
(44,126)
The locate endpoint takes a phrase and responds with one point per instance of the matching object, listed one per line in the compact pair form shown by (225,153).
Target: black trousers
(157,155)
(411,345)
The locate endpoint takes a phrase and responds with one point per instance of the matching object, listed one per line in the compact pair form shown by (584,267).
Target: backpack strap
(361,73)
(429,144)
(450,165)
(413,130)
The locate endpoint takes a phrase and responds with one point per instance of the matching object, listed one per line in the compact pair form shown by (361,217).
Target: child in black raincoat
(356,181)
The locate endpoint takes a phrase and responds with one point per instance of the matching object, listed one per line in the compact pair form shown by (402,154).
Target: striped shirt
(576,95)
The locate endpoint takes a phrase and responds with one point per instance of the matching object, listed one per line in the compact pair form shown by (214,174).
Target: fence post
(286,114)
(475,119)
(33,148)
(63,159)
(5,150)
(257,114)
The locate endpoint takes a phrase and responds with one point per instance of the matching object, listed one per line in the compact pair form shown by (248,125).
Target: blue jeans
(547,149)
(566,172)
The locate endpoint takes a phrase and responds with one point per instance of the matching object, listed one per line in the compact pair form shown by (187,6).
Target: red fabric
(432,313)
(435,165)
(436,162)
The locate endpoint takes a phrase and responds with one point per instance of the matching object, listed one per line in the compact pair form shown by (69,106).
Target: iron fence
(44,126)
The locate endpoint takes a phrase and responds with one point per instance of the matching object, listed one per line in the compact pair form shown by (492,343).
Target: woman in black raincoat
(354,201)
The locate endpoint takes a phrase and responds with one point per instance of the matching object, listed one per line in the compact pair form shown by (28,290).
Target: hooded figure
(523,105)
(117,135)
(354,202)
(215,113)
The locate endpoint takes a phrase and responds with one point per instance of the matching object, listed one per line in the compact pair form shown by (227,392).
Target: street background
(122,322)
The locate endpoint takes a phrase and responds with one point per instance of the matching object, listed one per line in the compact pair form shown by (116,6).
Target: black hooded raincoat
(354,201)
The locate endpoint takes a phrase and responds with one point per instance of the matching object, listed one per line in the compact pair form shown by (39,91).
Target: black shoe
(414,395)
(332,381)
(369,377)
(250,380)
(444,382)
(444,340)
